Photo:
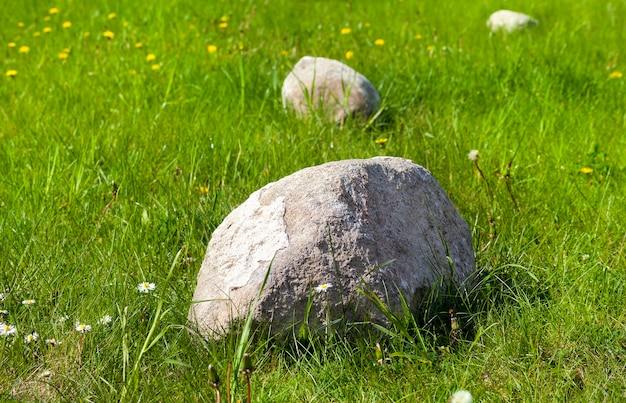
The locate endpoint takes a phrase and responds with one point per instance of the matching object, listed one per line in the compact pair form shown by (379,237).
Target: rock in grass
(326,231)
(330,87)
(509,21)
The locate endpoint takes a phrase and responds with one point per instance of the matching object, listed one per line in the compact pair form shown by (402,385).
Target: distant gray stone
(509,21)
(338,223)
(329,86)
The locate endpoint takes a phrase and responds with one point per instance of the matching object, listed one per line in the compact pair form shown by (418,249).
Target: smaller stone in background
(329,86)
(509,21)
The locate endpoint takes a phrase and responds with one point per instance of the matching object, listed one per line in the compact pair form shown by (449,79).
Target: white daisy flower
(82,328)
(106,319)
(53,342)
(7,330)
(323,287)
(28,302)
(4,312)
(145,287)
(1,296)
(31,337)
(461,396)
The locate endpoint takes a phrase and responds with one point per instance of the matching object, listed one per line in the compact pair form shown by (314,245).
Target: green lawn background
(188,134)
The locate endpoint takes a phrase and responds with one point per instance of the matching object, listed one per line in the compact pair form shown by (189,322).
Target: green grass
(545,320)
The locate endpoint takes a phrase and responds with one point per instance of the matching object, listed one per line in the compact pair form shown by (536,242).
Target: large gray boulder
(510,21)
(332,224)
(330,87)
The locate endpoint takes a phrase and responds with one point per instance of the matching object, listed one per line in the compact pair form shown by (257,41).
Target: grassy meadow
(130,129)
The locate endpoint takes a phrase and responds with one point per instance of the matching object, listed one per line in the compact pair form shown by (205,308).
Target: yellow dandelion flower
(211,48)
(418,37)
(349,54)
(20,25)
(47,30)
(108,34)
(381,140)
(240,46)
(155,67)
(53,10)
(223,25)
(67,24)
(204,190)
(47,18)
(12,44)
(111,16)
(379,42)
(615,74)
(586,170)
(345,31)
(11,73)
(138,45)
(24,49)
(150,57)
(63,55)
(36,33)
(224,18)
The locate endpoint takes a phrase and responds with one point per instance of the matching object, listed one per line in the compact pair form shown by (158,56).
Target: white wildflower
(106,319)
(473,155)
(53,342)
(461,396)
(146,287)
(7,330)
(323,287)
(31,337)
(82,328)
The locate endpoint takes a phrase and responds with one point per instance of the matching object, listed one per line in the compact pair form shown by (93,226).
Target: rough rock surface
(333,223)
(510,21)
(330,86)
